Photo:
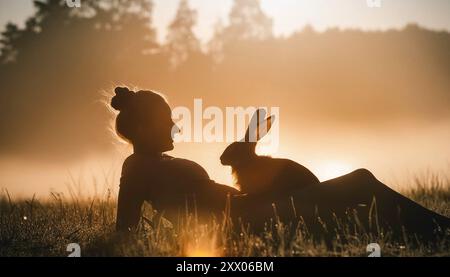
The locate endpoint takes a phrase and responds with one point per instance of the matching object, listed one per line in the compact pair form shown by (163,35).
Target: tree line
(55,71)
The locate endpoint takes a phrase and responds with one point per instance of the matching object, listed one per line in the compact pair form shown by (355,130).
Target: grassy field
(45,228)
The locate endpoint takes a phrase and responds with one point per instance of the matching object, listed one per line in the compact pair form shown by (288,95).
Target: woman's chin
(169,147)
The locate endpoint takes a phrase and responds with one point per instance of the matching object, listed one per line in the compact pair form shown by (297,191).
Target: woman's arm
(128,208)
(130,198)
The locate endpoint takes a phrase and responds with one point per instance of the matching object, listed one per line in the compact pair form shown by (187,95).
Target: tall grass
(431,190)
(35,227)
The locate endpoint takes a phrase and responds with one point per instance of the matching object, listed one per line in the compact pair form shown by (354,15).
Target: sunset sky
(400,129)
(289,15)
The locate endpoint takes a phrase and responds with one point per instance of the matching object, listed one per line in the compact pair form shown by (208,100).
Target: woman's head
(145,119)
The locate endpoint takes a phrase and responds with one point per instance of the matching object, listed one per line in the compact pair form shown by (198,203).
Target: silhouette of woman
(149,175)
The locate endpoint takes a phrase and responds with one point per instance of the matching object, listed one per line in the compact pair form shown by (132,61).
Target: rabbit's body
(261,174)
(264,174)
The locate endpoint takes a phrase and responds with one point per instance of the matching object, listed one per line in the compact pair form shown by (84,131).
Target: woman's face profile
(157,132)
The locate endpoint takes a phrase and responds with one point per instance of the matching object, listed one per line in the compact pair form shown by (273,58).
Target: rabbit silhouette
(256,174)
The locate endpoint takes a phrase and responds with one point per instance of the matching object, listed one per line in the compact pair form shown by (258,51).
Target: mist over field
(348,98)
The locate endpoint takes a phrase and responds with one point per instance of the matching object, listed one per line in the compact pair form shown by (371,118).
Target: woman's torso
(165,180)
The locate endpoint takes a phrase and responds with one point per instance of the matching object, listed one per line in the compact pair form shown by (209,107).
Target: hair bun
(122,98)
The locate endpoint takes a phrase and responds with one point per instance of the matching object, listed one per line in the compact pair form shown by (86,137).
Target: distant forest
(55,71)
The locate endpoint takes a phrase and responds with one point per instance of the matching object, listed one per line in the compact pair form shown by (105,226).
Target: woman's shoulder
(136,163)
(188,167)
(176,166)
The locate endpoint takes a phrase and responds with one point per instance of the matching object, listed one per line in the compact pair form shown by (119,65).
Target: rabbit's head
(242,151)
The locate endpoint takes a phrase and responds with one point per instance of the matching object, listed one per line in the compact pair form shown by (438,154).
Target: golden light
(204,249)
(332,169)
(203,246)
(201,253)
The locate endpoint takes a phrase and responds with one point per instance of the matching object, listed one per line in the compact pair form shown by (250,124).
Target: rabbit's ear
(264,127)
(252,130)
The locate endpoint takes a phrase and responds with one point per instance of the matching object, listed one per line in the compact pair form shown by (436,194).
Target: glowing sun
(332,169)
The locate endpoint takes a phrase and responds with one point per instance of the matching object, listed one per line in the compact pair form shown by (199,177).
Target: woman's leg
(377,205)
(359,193)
